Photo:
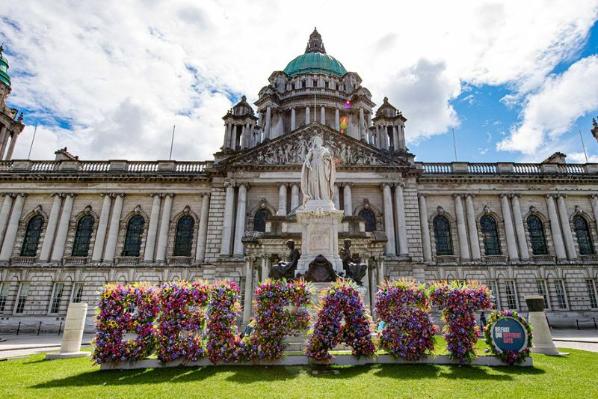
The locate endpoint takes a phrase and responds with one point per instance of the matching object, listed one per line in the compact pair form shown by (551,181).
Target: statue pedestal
(319,223)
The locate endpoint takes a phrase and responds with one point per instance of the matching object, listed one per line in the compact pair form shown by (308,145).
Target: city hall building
(69,226)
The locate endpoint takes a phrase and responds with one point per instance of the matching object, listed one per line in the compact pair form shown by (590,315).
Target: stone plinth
(319,222)
(542,338)
(73,333)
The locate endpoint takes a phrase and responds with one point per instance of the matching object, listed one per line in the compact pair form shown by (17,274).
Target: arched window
(32,234)
(442,234)
(183,240)
(490,235)
(370,219)
(133,236)
(83,236)
(259,221)
(584,237)
(536,235)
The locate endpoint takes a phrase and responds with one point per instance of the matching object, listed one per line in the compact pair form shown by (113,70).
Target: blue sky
(515,80)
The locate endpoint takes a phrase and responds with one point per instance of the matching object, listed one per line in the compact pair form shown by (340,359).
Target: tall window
(511,295)
(584,238)
(21,298)
(561,294)
(542,290)
(370,219)
(56,297)
(490,234)
(493,285)
(442,234)
(4,286)
(32,234)
(259,221)
(184,236)
(536,235)
(83,236)
(133,236)
(77,293)
(591,285)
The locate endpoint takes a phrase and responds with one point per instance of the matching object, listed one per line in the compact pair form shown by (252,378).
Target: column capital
(421,195)
(400,183)
(72,195)
(516,195)
(203,195)
(505,195)
(114,195)
(550,195)
(384,185)
(458,195)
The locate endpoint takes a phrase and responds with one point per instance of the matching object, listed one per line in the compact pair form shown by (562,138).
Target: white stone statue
(318,173)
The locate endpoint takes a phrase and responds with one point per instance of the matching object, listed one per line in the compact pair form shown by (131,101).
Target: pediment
(291,149)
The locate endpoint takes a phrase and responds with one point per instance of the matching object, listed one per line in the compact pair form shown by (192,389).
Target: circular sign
(509,335)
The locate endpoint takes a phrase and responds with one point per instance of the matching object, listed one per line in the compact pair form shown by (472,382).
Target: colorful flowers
(459,302)
(510,357)
(223,340)
(340,300)
(404,308)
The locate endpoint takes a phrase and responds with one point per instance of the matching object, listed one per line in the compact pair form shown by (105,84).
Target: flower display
(509,357)
(340,300)
(458,302)
(222,338)
(274,319)
(404,307)
(180,323)
(125,309)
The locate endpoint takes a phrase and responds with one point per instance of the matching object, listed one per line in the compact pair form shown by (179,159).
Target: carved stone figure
(318,173)
(287,269)
(352,264)
(320,271)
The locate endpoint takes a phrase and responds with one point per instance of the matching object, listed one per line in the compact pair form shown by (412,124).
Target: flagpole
(171,143)
(583,145)
(32,141)
(454,144)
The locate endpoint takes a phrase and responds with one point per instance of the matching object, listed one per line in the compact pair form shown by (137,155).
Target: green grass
(554,377)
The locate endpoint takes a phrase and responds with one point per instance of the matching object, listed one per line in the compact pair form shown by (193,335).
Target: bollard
(73,333)
(39,327)
(18,328)
(542,338)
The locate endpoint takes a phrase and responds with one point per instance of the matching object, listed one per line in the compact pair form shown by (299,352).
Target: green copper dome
(4,78)
(315,60)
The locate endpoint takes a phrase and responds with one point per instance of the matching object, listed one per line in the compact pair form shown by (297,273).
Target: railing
(440,168)
(97,167)
(527,168)
(483,168)
(142,166)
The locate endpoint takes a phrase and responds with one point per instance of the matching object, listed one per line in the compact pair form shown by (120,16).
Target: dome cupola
(315,60)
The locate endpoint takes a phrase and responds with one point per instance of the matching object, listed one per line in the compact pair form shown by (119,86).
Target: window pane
(511,294)
(490,234)
(56,297)
(32,234)
(592,293)
(3,295)
(536,235)
(541,288)
(133,237)
(561,298)
(22,298)
(184,236)
(584,239)
(442,234)
(77,292)
(83,236)
(370,219)
(259,221)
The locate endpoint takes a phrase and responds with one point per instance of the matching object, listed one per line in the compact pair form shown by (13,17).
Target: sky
(514,80)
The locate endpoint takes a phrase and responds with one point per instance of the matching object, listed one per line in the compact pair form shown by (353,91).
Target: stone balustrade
(111,166)
(484,168)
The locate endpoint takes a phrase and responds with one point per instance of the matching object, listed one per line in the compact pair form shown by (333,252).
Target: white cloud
(552,110)
(123,72)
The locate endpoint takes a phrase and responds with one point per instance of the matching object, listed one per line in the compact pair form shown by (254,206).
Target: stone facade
(230,218)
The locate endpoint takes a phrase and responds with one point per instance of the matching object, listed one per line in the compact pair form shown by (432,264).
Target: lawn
(555,377)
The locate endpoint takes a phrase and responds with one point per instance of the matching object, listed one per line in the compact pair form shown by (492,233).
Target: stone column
(473,228)
(282,200)
(322,115)
(307,116)
(3,134)
(240,224)
(13,226)
(461,229)
(248,291)
(63,228)
(227,228)
(509,230)
(227,136)
(336,198)
(265,268)
(380,270)
(425,228)
(395,137)
(566,228)
(293,122)
(46,250)
(152,229)
(117,209)
(348,200)
(203,229)
(389,221)
(268,123)
(555,227)
(4,215)
(401,223)
(294,197)
(337,119)
(98,246)
(521,238)
(164,228)
(4,144)
(594,211)
(11,147)
(361,125)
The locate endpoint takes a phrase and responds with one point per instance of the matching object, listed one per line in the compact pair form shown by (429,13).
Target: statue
(318,173)
(353,266)
(287,269)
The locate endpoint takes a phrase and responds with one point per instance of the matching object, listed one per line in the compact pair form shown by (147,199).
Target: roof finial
(315,44)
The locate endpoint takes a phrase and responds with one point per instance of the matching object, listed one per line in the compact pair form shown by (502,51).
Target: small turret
(315,43)
(240,122)
(388,131)
(11,122)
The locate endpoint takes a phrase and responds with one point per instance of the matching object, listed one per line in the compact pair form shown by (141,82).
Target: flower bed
(510,357)
(223,339)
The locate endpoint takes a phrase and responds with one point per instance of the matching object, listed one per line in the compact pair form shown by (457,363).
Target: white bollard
(73,333)
(542,338)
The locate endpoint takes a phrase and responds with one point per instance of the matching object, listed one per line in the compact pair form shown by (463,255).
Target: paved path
(27,344)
